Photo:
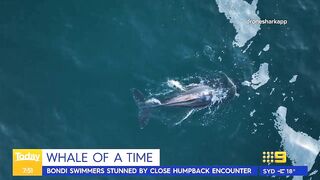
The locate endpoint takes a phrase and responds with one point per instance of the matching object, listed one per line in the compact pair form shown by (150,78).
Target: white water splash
(301,148)
(293,79)
(208,51)
(276,79)
(153,101)
(313,173)
(259,53)
(266,48)
(252,113)
(175,84)
(246,83)
(259,78)
(244,51)
(271,92)
(218,95)
(238,12)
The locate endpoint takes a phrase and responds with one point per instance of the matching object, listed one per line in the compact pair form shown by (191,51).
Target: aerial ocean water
(67,69)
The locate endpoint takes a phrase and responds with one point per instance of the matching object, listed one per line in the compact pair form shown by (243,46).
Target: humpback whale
(194,96)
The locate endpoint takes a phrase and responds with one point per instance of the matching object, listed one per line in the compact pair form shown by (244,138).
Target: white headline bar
(101,157)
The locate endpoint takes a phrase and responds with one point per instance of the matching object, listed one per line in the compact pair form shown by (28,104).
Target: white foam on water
(293,79)
(301,148)
(153,101)
(272,90)
(244,51)
(266,48)
(313,172)
(209,52)
(238,12)
(246,83)
(259,78)
(276,79)
(218,95)
(175,84)
(254,130)
(252,113)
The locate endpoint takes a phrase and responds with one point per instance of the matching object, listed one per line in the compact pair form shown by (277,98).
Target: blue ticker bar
(283,170)
(174,170)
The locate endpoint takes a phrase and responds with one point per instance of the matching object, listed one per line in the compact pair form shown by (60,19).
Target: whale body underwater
(193,97)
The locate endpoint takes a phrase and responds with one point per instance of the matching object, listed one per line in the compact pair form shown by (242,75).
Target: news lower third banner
(126,162)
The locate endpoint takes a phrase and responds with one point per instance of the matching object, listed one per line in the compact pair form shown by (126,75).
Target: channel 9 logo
(274,157)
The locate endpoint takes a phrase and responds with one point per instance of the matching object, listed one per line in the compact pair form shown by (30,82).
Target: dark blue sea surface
(67,68)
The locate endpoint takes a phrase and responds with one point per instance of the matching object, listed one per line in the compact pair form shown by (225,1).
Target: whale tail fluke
(144,108)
